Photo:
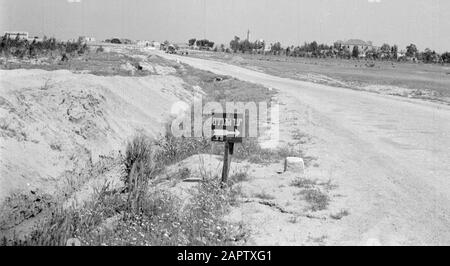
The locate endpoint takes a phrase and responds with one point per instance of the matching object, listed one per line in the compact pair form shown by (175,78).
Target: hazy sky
(424,22)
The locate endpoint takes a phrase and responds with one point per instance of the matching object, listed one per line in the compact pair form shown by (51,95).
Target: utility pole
(248,35)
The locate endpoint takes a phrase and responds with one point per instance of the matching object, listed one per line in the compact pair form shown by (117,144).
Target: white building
(157,45)
(144,43)
(85,39)
(13,34)
(267,48)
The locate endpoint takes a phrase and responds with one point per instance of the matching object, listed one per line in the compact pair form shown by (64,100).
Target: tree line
(336,50)
(202,44)
(24,48)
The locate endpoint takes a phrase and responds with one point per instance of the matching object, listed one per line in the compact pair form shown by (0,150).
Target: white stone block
(294,164)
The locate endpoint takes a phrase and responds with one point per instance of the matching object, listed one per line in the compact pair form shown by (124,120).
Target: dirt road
(390,156)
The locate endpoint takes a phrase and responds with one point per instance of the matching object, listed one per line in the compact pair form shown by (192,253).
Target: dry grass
(314,192)
(263,195)
(239,177)
(316,199)
(141,217)
(304,183)
(161,220)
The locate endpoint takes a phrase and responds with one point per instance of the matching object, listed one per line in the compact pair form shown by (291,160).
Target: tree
(385,50)
(192,41)
(204,43)
(234,44)
(355,52)
(337,46)
(276,48)
(394,51)
(427,55)
(446,57)
(411,50)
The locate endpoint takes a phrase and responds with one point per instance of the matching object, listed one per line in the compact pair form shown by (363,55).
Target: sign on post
(228,128)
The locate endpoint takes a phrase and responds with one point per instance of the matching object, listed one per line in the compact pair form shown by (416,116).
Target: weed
(317,199)
(172,149)
(328,185)
(304,183)
(22,206)
(140,168)
(239,177)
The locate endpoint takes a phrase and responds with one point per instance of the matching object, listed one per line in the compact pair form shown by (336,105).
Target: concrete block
(294,164)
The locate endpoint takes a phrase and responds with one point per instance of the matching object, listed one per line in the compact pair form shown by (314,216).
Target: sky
(423,22)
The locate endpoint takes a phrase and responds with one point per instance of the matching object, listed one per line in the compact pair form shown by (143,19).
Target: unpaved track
(389,155)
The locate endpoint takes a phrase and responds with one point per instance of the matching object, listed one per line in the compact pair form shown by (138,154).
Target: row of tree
(337,50)
(202,44)
(22,48)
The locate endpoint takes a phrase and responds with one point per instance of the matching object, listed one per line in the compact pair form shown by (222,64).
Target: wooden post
(226,161)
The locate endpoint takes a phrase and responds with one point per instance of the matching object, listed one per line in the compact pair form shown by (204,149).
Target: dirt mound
(59,121)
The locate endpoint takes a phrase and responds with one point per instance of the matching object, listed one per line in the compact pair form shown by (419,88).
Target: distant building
(157,45)
(363,47)
(35,39)
(267,48)
(144,43)
(85,39)
(14,34)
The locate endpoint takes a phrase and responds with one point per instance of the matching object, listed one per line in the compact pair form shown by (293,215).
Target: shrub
(317,199)
(140,168)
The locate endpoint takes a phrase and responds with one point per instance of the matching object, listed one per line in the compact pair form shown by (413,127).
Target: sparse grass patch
(172,149)
(161,220)
(316,199)
(22,206)
(239,177)
(264,195)
(304,183)
(250,150)
(142,217)
(328,185)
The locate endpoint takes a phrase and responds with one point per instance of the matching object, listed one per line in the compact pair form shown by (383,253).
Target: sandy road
(389,155)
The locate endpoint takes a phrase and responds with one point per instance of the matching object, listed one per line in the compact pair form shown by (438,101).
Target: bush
(21,48)
(317,199)
(172,149)
(140,168)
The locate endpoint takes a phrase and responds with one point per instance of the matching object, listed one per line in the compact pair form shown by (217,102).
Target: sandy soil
(57,121)
(387,155)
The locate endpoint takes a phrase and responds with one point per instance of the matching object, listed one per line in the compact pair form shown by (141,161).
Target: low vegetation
(239,177)
(263,195)
(314,192)
(137,215)
(23,48)
(316,198)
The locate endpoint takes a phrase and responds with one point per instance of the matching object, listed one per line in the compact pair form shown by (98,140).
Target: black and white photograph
(243,124)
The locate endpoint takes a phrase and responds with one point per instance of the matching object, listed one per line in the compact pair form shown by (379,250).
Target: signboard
(227,127)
